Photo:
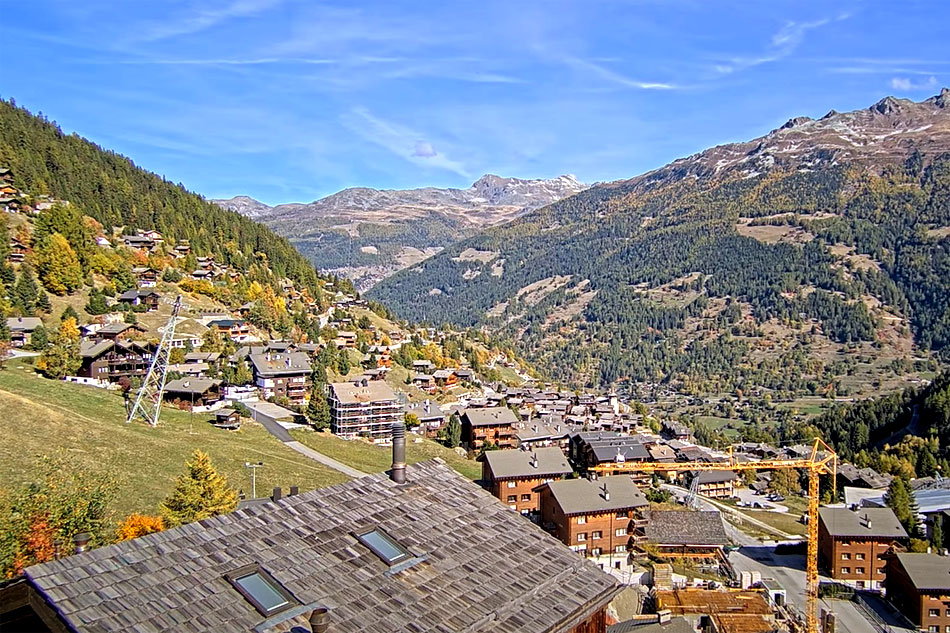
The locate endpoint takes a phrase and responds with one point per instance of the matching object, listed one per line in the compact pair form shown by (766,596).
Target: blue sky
(291,100)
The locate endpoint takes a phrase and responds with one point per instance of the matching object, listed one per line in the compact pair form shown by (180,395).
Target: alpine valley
(368,234)
(813,260)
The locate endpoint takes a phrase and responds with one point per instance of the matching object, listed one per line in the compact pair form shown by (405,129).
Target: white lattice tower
(148,403)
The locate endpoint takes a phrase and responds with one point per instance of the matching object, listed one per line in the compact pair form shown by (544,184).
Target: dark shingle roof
(516,463)
(490,416)
(685,527)
(675,625)
(583,496)
(868,522)
(927,571)
(485,568)
(271,364)
(716,476)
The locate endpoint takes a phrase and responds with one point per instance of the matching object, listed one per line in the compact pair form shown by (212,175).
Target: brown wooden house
(186,393)
(513,476)
(919,586)
(493,425)
(852,544)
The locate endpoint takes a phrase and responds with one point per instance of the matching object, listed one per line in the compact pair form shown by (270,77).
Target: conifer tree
(454,431)
(318,410)
(25,291)
(39,339)
(69,313)
(43,303)
(343,363)
(199,493)
(97,303)
(900,500)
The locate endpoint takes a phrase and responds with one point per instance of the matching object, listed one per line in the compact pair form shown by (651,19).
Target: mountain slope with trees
(781,263)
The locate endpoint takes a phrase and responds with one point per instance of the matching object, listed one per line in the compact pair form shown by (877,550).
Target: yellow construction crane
(821,461)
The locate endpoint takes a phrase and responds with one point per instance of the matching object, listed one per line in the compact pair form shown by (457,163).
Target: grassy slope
(45,417)
(374,459)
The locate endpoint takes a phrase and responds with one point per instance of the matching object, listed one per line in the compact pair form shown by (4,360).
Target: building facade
(852,544)
(489,425)
(282,375)
(513,476)
(918,585)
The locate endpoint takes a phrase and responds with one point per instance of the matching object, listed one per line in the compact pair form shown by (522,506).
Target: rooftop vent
(606,492)
(534,460)
(81,540)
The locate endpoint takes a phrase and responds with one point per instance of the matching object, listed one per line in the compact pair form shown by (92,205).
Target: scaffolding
(821,460)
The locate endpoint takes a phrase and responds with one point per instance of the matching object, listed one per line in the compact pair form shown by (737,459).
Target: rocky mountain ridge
(368,234)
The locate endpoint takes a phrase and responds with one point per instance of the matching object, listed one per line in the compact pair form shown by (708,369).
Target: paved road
(284,436)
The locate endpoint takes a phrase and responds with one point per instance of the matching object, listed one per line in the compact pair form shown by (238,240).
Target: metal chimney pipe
(81,540)
(277,494)
(398,471)
(320,620)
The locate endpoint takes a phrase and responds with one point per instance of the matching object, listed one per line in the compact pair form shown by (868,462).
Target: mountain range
(368,234)
(797,261)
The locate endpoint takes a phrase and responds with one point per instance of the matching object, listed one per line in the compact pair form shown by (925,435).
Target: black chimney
(293,491)
(398,471)
(320,620)
(277,493)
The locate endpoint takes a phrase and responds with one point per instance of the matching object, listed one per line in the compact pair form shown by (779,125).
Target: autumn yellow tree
(58,265)
(136,525)
(61,358)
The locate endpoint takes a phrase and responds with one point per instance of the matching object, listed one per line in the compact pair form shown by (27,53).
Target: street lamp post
(253,468)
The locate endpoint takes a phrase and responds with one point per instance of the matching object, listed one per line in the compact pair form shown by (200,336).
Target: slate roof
(716,476)
(490,416)
(271,364)
(196,386)
(926,571)
(117,328)
(844,522)
(482,568)
(516,463)
(583,496)
(686,527)
(351,393)
(608,451)
(675,625)
(24,324)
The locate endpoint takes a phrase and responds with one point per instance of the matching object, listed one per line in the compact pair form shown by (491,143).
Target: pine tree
(343,364)
(454,433)
(43,304)
(69,313)
(39,339)
(25,291)
(927,464)
(97,303)
(898,499)
(199,493)
(936,535)
(58,265)
(319,374)
(318,410)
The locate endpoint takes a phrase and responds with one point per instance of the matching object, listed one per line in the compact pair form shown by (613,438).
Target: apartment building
(918,585)
(363,408)
(282,374)
(852,544)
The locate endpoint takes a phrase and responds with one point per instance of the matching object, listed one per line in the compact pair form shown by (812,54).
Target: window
(934,613)
(581,520)
(859,570)
(384,546)
(622,515)
(581,537)
(596,534)
(620,549)
(617,565)
(859,556)
(933,628)
(260,589)
(526,497)
(845,570)
(846,557)
(620,532)
(512,498)
(595,551)
(512,484)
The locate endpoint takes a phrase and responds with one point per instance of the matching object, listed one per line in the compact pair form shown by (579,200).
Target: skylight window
(260,589)
(384,546)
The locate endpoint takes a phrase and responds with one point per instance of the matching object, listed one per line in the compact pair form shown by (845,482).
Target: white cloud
(905,84)
(613,76)
(204,19)
(400,140)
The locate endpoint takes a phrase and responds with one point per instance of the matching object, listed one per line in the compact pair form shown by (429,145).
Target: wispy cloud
(783,43)
(612,76)
(908,85)
(400,140)
(203,19)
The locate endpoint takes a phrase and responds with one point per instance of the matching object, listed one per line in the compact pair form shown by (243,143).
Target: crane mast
(821,461)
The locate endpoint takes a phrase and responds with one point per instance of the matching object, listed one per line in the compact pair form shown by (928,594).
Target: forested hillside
(114,191)
(786,263)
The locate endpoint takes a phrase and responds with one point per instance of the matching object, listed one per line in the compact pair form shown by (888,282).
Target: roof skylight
(260,589)
(384,546)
